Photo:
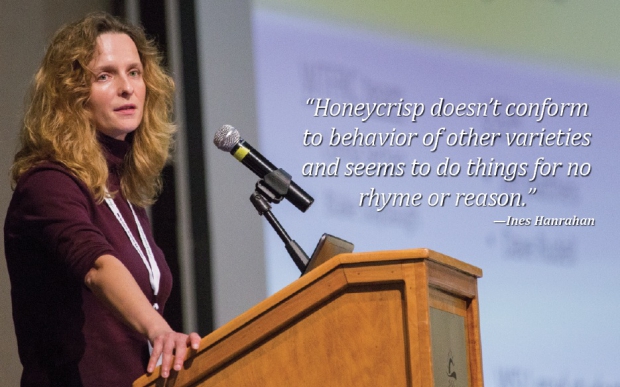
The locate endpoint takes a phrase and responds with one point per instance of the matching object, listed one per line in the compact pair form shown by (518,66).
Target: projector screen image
(498,158)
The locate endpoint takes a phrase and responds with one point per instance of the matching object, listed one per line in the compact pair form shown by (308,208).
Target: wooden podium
(389,318)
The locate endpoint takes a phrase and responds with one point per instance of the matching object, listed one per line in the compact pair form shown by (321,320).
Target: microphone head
(226,138)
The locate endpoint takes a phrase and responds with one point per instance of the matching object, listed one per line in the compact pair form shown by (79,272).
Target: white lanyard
(151,265)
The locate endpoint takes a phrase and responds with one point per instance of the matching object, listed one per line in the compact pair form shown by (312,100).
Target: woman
(88,282)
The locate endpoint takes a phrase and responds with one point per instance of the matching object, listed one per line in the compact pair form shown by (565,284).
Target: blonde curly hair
(57,125)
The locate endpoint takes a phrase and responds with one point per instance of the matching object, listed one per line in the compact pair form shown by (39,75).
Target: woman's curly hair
(57,125)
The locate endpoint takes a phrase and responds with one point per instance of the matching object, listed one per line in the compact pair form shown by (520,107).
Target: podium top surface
(405,255)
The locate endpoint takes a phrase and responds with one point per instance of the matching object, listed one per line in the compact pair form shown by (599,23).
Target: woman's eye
(103,77)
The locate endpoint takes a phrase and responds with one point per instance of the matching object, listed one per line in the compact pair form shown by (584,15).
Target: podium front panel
(356,338)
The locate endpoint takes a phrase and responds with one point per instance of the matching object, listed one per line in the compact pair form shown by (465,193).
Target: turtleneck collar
(114,150)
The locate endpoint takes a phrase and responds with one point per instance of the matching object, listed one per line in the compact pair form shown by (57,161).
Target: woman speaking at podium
(88,283)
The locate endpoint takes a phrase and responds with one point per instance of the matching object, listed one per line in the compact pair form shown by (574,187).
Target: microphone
(228,139)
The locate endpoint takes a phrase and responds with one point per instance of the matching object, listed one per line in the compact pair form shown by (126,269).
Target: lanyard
(151,265)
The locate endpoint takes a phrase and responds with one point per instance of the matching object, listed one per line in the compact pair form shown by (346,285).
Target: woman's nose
(125,86)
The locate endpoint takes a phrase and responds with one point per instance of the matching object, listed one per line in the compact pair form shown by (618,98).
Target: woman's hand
(169,344)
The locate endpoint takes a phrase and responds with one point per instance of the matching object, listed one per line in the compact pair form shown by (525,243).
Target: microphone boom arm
(271,189)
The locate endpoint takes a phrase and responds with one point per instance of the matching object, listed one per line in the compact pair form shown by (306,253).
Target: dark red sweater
(53,233)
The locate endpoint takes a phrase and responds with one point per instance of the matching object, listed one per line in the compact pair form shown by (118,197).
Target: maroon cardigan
(53,233)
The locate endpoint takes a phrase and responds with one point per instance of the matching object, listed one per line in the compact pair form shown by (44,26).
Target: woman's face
(117,91)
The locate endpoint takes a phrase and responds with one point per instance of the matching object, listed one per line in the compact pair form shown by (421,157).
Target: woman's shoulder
(48,177)
(46,170)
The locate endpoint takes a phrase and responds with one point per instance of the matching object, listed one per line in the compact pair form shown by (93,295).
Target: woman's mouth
(129,108)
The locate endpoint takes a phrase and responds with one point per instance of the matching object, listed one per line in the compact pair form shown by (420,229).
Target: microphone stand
(271,189)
